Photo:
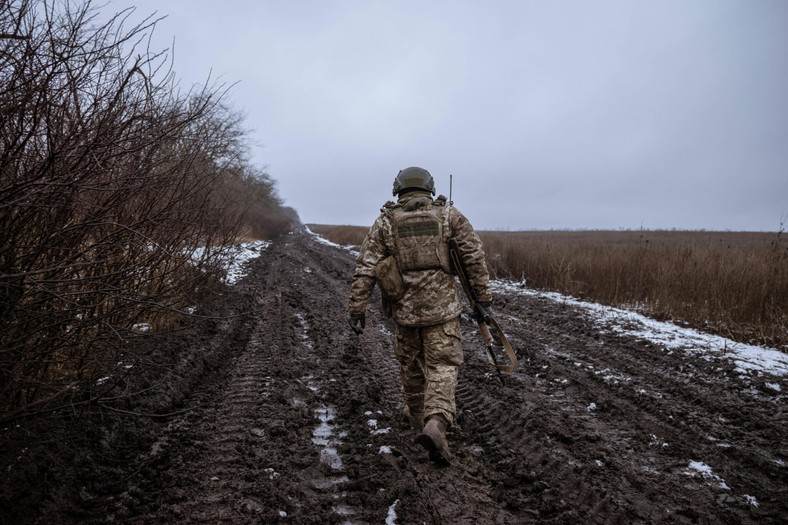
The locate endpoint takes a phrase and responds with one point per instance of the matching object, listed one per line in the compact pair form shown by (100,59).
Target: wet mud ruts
(301,422)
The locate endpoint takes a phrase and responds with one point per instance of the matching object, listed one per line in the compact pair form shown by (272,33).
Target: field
(734,284)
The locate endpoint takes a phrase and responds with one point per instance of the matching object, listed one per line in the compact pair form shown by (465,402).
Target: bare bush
(251,196)
(115,207)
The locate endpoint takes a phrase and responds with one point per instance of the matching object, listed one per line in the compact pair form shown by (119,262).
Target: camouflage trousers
(429,358)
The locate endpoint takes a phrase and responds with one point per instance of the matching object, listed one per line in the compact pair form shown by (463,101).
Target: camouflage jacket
(431,295)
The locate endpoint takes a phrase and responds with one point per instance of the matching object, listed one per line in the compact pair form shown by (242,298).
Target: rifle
(483,318)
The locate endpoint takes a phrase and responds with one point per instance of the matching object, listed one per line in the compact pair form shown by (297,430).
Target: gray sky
(550,114)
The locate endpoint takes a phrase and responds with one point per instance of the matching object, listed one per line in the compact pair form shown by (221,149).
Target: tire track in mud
(304,423)
(629,417)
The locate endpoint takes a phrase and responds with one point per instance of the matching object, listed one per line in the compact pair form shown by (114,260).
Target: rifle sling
(507,346)
(462,273)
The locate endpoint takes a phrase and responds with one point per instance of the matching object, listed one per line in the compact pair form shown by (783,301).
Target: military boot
(415,421)
(433,438)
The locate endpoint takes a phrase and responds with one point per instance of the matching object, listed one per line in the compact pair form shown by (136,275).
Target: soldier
(406,253)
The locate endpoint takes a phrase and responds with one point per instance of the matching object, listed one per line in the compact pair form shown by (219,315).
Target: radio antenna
(450,181)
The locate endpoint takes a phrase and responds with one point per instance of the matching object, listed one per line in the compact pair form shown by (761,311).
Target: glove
(357,322)
(486,306)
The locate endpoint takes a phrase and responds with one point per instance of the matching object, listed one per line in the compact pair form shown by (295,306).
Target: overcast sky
(550,114)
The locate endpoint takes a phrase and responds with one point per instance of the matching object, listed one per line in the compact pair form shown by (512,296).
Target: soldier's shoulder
(388,207)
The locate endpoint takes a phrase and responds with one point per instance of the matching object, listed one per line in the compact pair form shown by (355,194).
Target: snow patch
(322,436)
(657,442)
(323,240)
(373,424)
(391,517)
(705,472)
(304,329)
(236,258)
(242,254)
(747,358)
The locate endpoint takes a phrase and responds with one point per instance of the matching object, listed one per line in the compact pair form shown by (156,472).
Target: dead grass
(730,283)
(344,235)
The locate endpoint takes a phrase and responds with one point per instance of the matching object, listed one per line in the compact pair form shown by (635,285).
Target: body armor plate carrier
(421,238)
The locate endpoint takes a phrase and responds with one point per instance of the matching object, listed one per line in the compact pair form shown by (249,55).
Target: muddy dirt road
(301,423)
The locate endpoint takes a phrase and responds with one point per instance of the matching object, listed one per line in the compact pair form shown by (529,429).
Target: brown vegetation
(120,196)
(344,235)
(730,283)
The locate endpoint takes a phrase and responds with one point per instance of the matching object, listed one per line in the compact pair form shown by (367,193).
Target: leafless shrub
(251,196)
(116,199)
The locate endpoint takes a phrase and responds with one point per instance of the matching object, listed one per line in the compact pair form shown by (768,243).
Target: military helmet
(412,179)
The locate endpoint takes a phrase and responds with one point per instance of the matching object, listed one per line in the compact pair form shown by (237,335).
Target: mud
(296,420)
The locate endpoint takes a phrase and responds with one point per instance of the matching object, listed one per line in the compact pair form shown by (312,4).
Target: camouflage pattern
(432,296)
(428,343)
(418,229)
(429,357)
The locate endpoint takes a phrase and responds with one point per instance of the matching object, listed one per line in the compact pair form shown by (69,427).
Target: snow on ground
(748,358)
(323,240)
(705,471)
(391,517)
(240,256)
(236,258)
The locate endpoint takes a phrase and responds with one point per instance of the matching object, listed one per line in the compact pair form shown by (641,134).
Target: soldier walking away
(406,253)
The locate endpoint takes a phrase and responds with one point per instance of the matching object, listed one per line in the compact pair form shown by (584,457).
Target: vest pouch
(390,279)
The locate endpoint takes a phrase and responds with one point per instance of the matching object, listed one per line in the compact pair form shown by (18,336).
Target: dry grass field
(730,283)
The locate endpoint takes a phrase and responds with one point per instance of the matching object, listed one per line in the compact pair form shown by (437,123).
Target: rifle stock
(483,317)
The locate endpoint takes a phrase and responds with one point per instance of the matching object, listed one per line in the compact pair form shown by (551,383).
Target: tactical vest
(420,237)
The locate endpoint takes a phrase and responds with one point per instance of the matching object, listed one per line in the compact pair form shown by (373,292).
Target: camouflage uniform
(428,343)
